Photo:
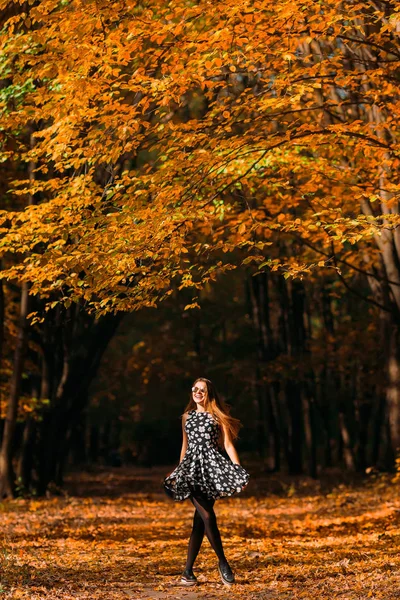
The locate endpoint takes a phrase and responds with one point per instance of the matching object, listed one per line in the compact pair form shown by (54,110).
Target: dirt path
(121,544)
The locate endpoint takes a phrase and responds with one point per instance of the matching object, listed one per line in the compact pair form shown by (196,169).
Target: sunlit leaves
(303,543)
(164,134)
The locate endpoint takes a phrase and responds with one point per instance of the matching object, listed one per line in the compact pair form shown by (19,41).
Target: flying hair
(219,409)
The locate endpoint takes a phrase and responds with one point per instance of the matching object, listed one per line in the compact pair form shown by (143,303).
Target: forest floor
(114,535)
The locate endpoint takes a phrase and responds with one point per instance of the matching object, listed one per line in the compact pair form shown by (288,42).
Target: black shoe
(188,578)
(226,574)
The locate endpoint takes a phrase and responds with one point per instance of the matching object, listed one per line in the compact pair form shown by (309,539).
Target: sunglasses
(197,390)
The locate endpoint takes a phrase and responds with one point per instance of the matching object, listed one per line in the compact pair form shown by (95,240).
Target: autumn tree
(168,132)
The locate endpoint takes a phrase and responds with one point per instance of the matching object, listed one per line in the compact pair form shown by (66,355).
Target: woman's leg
(204,506)
(195,541)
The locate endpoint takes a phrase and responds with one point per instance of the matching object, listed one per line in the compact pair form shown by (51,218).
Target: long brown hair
(218,408)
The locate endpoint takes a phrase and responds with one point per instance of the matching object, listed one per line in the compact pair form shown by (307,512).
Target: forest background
(190,190)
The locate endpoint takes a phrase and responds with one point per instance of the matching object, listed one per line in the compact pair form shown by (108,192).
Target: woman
(204,474)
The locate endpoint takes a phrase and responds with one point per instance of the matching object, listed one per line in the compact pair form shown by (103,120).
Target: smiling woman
(204,474)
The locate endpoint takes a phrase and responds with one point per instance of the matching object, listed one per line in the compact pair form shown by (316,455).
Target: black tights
(204,521)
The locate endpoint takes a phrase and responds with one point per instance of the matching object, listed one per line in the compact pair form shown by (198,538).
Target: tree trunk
(393,385)
(310,431)
(25,463)
(259,392)
(258,298)
(77,440)
(274,429)
(378,422)
(7,483)
(94,444)
(296,428)
(347,447)
(71,398)
(293,299)
(2,309)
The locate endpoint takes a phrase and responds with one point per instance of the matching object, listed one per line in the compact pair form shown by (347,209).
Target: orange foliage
(169,134)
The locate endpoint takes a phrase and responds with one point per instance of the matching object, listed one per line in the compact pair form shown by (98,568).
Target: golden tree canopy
(160,137)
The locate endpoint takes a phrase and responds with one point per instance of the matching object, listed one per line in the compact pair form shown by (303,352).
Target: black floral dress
(204,468)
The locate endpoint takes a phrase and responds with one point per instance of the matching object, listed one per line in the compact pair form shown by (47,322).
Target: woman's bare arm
(229,447)
(184,438)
